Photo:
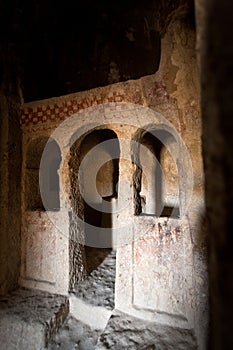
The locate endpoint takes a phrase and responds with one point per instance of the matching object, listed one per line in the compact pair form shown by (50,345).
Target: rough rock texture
(167,246)
(124,331)
(74,335)
(99,43)
(184,89)
(91,304)
(217,108)
(77,265)
(45,249)
(10,170)
(99,287)
(28,319)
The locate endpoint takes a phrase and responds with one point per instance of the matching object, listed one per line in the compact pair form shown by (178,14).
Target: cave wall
(170,85)
(187,93)
(10,170)
(172,93)
(182,93)
(214,21)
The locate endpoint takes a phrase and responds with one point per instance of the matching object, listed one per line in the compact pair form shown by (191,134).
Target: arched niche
(94,168)
(156,179)
(43,159)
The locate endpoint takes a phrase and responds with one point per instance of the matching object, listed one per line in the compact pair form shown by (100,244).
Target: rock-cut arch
(156,178)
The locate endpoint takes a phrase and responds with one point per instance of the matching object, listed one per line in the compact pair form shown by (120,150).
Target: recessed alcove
(43,159)
(156,178)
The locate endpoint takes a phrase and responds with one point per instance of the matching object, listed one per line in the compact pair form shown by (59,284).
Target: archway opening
(156,179)
(94,170)
(98,179)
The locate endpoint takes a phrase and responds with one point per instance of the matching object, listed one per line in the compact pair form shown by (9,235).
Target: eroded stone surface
(75,335)
(126,332)
(10,170)
(45,248)
(99,287)
(158,282)
(122,332)
(28,319)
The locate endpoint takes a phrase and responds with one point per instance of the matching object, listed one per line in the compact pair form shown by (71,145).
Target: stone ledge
(29,318)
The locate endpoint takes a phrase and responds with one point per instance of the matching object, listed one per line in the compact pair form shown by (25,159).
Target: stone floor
(126,332)
(94,324)
(123,332)
(29,318)
(75,335)
(99,287)
(91,305)
(34,320)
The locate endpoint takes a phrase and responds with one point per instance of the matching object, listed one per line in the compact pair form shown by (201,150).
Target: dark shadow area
(92,216)
(170,212)
(79,45)
(94,257)
(167,212)
(33,200)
